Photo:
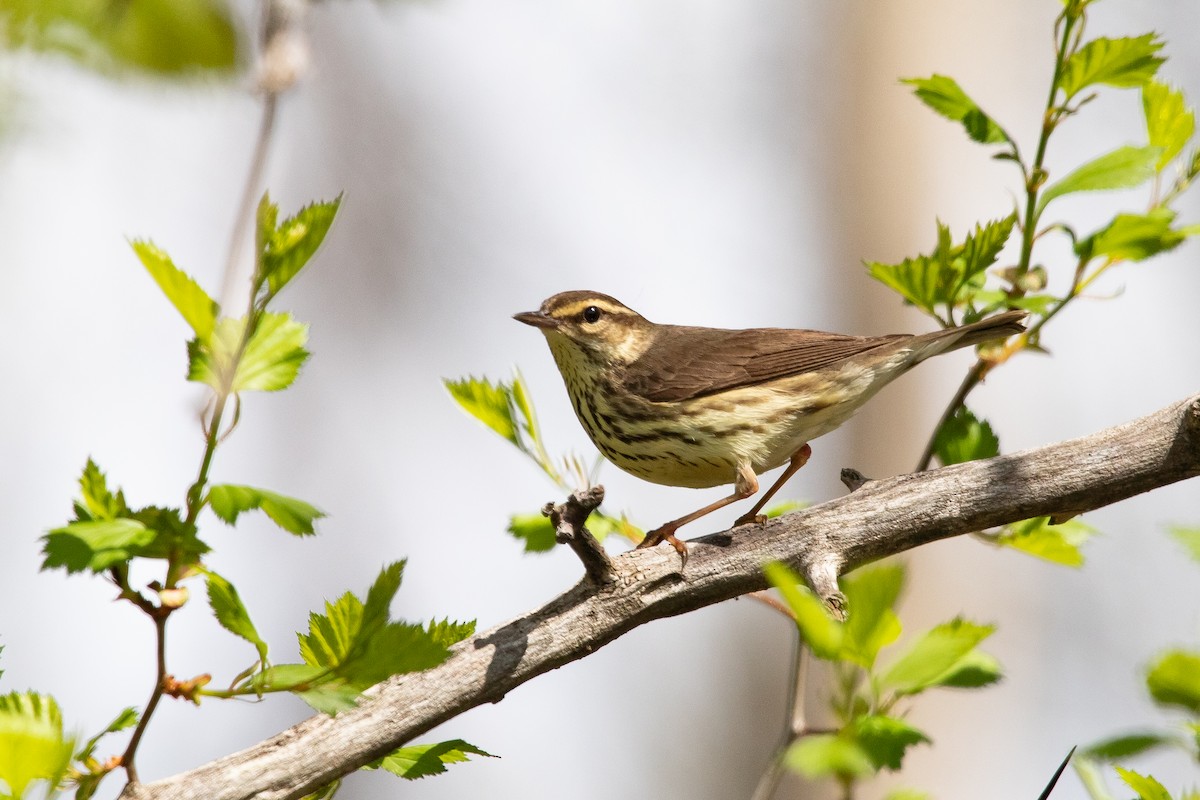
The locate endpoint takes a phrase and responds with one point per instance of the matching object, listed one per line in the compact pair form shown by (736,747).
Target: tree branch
(881,518)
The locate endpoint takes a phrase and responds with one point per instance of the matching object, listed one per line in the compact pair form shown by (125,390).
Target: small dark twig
(568,520)
(1057,774)
(853,479)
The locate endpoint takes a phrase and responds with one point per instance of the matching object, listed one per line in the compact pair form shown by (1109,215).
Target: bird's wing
(685,363)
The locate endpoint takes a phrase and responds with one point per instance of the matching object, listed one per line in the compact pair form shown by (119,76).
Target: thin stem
(160,634)
(796,724)
(245,212)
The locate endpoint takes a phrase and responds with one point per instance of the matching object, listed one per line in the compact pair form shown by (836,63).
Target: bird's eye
(591,314)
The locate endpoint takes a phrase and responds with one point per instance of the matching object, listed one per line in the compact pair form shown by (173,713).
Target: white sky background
(708,163)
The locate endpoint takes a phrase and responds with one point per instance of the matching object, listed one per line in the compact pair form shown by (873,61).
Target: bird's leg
(799,459)
(744,485)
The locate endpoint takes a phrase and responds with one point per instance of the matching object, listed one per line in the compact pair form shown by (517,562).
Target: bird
(697,407)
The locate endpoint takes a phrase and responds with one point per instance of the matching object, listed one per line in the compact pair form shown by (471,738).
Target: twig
(568,520)
(884,517)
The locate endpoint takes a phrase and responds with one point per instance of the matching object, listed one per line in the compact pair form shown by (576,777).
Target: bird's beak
(537,319)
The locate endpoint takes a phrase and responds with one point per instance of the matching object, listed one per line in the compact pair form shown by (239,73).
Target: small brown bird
(698,407)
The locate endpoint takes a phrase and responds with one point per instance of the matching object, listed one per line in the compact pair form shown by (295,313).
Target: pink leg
(744,485)
(799,459)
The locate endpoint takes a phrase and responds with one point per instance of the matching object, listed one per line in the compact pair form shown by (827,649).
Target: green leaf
(974,670)
(1123,168)
(271,360)
(164,37)
(448,632)
(946,97)
(231,613)
(418,761)
(823,634)
(294,516)
(1058,544)
(871,594)
(1189,538)
(1126,745)
(885,739)
(490,404)
(1133,237)
(535,530)
(965,437)
(198,309)
(94,545)
(934,656)
(288,247)
(825,755)
(1145,785)
(952,273)
(602,525)
(32,744)
(1123,63)
(1174,680)
(1169,122)
(356,646)
(101,504)
(126,719)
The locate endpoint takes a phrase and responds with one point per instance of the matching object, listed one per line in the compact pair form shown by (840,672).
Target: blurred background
(716,163)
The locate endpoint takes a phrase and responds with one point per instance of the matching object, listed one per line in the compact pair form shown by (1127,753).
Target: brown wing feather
(685,363)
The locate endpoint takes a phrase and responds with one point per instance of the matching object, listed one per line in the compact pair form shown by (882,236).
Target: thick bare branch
(881,518)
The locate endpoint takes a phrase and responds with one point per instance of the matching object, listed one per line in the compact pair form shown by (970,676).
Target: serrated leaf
(164,37)
(1188,537)
(1145,785)
(32,744)
(418,761)
(965,437)
(1059,544)
(356,646)
(821,632)
(288,247)
(1133,237)
(1126,745)
(535,530)
(885,739)
(231,613)
(1125,62)
(294,516)
(1123,168)
(602,525)
(952,273)
(825,755)
(1169,122)
(193,303)
(871,594)
(490,404)
(99,501)
(270,361)
(933,656)
(946,97)
(94,545)
(126,719)
(449,632)
(1174,680)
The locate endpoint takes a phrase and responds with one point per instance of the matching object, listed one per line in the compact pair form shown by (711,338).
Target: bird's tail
(1000,326)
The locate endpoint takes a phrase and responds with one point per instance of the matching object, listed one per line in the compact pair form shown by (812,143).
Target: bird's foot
(666,534)
(750,519)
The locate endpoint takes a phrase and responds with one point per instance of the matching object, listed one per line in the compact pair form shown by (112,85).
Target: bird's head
(591,325)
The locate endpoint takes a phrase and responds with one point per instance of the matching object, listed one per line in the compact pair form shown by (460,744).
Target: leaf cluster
(354,644)
(872,733)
